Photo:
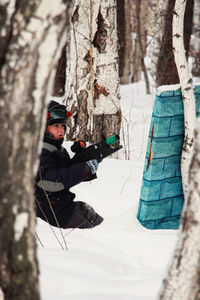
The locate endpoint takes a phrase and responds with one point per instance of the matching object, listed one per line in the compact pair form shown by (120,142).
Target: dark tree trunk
(121,34)
(124,39)
(60,78)
(141,48)
(166,68)
(195,43)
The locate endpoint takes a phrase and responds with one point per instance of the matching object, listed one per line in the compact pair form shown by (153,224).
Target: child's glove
(91,166)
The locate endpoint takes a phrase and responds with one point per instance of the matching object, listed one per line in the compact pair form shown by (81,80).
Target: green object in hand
(112,139)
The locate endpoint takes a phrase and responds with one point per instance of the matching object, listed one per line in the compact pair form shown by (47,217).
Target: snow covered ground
(119,259)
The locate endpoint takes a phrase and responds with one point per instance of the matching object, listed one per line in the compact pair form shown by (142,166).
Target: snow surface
(119,259)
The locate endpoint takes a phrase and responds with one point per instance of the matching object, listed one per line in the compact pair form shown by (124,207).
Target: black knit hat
(57,113)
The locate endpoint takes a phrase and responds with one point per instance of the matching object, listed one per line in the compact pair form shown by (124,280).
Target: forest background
(40,41)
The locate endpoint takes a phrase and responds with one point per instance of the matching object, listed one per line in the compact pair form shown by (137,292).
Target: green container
(112,139)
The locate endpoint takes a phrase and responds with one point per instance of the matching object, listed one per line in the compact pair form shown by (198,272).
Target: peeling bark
(93,86)
(100,36)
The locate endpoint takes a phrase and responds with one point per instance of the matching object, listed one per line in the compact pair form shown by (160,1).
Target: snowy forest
(88,55)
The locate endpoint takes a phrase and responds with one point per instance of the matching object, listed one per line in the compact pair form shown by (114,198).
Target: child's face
(57,130)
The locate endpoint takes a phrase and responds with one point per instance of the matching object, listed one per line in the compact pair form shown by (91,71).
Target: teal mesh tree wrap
(161,197)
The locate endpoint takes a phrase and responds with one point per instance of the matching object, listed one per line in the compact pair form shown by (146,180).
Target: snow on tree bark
(92,84)
(32,35)
(186,82)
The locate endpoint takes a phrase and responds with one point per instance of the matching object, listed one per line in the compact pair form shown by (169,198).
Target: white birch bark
(182,281)
(183,277)
(92,86)
(189,103)
(35,41)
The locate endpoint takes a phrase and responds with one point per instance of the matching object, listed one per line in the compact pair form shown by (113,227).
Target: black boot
(83,216)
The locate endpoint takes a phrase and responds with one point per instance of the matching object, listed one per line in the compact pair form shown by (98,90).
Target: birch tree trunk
(155,32)
(187,89)
(182,281)
(166,67)
(92,85)
(32,36)
(183,277)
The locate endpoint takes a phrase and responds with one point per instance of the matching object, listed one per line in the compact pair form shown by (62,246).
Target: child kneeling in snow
(54,201)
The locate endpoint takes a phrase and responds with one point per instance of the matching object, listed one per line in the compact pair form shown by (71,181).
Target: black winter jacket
(53,180)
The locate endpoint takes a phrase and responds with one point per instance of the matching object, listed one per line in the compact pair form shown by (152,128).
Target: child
(54,201)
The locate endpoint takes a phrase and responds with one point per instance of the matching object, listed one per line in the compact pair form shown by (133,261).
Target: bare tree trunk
(125,40)
(93,85)
(166,68)
(195,42)
(140,26)
(157,13)
(189,102)
(141,48)
(28,30)
(182,281)
(60,78)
